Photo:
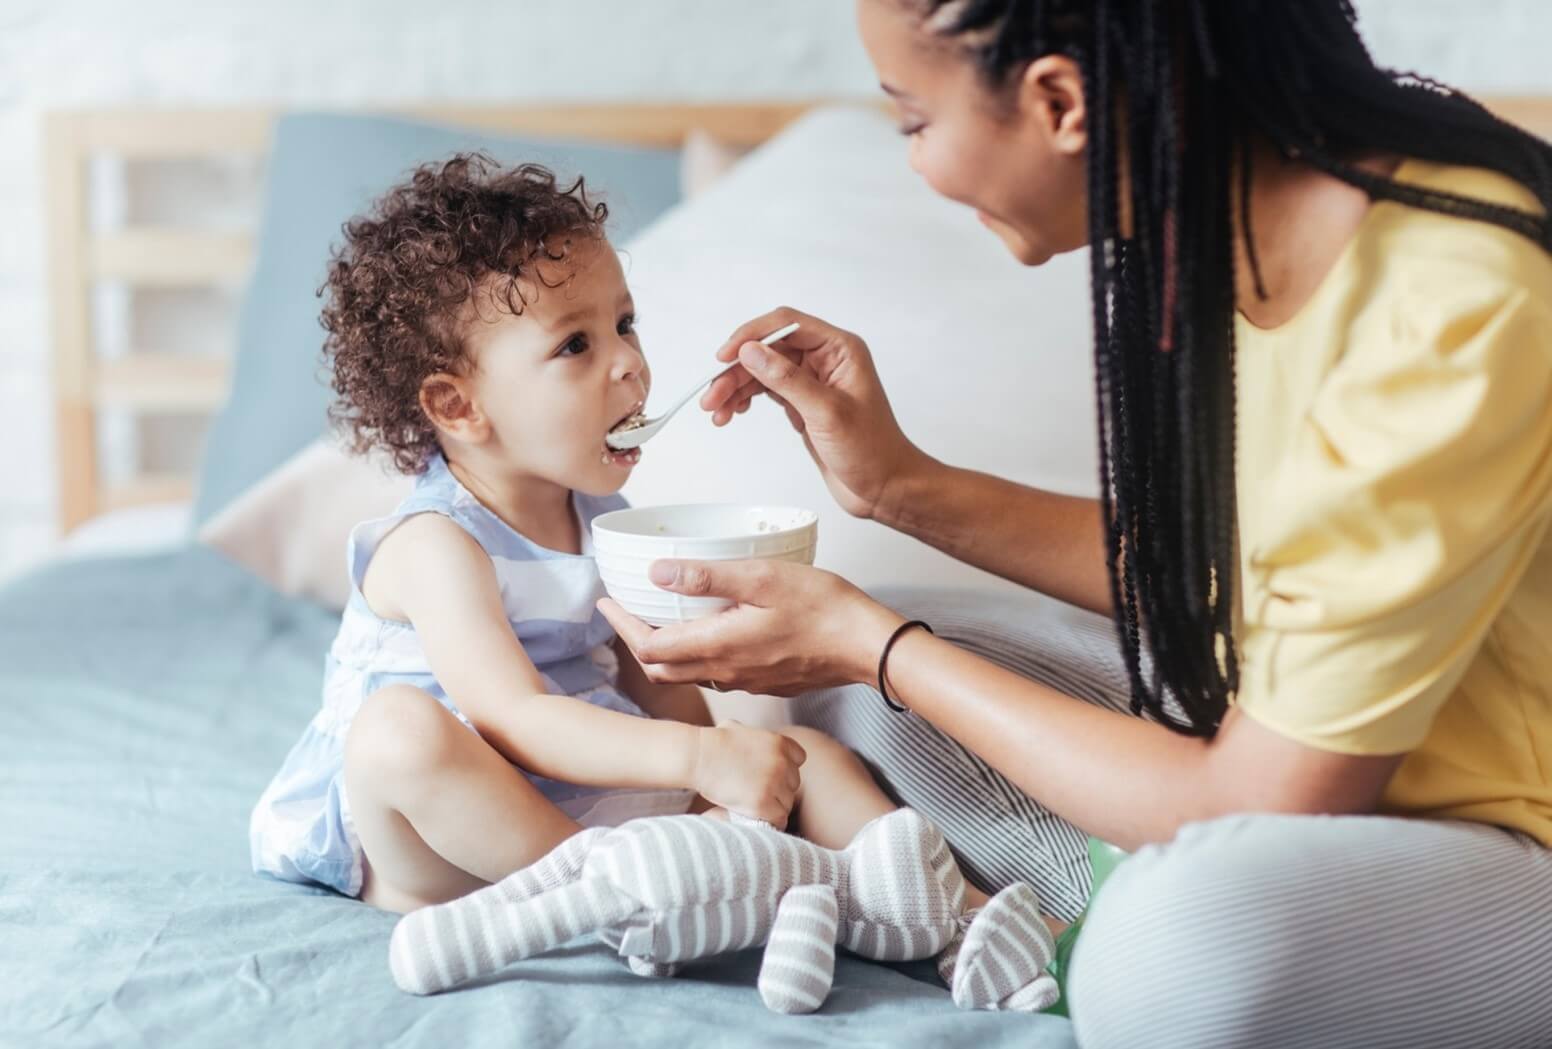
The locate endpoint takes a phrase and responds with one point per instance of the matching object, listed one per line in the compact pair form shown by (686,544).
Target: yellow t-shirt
(1395,486)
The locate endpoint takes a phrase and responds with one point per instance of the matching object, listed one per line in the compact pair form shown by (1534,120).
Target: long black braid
(1197,80)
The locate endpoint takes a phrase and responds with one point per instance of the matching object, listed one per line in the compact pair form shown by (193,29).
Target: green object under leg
(1103,859)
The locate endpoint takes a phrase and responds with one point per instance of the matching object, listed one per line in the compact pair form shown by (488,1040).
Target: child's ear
(448,401)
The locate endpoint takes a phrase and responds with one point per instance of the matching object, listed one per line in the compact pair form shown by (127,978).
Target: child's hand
(750,771)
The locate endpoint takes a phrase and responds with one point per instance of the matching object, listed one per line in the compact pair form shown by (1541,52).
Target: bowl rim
(600,523)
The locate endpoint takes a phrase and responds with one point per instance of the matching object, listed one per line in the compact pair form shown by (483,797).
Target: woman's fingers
(749,646)
(732,397)
(671,654)
(763,325)
(727,387)
(682,673)
(748,582)
(732,393)
(687,648)
(632,630)
(656,650)
(798,387)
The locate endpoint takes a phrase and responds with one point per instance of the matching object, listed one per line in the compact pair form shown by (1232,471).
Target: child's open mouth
(632,420)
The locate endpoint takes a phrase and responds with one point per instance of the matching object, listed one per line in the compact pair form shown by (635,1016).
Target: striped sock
(1001,964)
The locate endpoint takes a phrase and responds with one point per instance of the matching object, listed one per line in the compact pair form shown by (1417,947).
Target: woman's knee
(400,733)
(1171,948)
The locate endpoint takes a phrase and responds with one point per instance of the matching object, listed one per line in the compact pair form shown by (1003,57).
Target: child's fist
(750,771)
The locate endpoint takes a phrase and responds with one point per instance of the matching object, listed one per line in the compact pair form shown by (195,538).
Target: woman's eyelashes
(909,123)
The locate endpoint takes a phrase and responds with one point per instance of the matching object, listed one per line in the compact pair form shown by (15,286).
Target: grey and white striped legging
(1257,931)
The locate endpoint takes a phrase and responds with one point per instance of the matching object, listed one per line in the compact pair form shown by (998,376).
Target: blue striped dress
(301,829)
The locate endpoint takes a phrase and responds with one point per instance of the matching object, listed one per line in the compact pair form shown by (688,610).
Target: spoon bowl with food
(636,429)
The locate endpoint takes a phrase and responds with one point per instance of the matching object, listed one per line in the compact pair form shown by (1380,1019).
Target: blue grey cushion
(323,169)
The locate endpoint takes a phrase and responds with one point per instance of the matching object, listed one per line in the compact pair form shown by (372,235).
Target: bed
(149,683)
(145,701)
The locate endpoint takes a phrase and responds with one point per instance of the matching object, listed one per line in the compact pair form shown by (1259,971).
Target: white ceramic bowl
(626,542)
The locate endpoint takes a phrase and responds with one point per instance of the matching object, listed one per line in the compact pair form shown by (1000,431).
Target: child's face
(553,380)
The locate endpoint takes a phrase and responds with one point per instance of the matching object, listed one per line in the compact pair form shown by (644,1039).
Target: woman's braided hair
(1196,80)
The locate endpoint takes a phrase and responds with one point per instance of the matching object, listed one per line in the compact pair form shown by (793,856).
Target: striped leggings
(1259,931)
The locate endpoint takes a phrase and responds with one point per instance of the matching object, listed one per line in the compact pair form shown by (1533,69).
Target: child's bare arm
(673,702)
(431,573)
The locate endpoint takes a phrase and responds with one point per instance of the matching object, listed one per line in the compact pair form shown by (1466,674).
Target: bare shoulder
(423,550)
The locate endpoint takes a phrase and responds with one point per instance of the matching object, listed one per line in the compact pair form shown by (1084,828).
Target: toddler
(477,709)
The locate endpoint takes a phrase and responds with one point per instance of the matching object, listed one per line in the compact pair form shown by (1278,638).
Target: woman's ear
(448,401)
(1051,97)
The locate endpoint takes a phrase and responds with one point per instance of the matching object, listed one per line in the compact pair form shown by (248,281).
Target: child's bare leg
(838,794)
(439,811)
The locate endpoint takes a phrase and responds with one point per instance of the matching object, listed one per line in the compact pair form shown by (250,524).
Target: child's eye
(573,347)
(913,130)
(627,324)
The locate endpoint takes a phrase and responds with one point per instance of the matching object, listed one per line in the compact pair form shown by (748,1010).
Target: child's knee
(400,733)
(822,750)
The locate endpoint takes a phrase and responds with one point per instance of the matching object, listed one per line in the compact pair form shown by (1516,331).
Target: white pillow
(988,363)
(291,529)
(704,159)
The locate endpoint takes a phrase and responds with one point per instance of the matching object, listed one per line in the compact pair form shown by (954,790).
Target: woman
(1323,312)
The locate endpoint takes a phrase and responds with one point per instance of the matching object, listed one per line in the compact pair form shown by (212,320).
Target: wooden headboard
(147,382)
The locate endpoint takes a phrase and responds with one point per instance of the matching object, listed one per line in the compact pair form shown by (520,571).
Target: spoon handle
(773,337)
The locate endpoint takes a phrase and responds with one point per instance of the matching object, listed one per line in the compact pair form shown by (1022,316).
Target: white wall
(61,53)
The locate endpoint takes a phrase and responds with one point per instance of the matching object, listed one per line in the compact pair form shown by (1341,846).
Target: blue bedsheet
(143,704)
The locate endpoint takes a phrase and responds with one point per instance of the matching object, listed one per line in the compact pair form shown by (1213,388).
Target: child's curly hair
(398,288)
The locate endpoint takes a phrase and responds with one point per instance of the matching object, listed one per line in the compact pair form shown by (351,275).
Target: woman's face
(1015,154)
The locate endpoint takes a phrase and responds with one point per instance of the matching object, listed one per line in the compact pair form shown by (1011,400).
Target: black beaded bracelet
(884,658)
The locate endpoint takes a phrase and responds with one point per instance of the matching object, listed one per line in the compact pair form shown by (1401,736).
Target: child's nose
(629,364)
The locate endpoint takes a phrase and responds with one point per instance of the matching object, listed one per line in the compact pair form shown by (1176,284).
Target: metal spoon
(636,436)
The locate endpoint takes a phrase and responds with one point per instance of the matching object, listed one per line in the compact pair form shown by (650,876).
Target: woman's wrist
(911,481)
(872,625)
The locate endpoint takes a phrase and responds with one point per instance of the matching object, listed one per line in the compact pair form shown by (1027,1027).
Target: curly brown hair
(398,288)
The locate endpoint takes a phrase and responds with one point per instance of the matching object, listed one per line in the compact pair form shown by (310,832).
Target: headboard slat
(169,258)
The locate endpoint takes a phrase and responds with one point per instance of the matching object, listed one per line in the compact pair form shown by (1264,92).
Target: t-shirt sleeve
(1401,518)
